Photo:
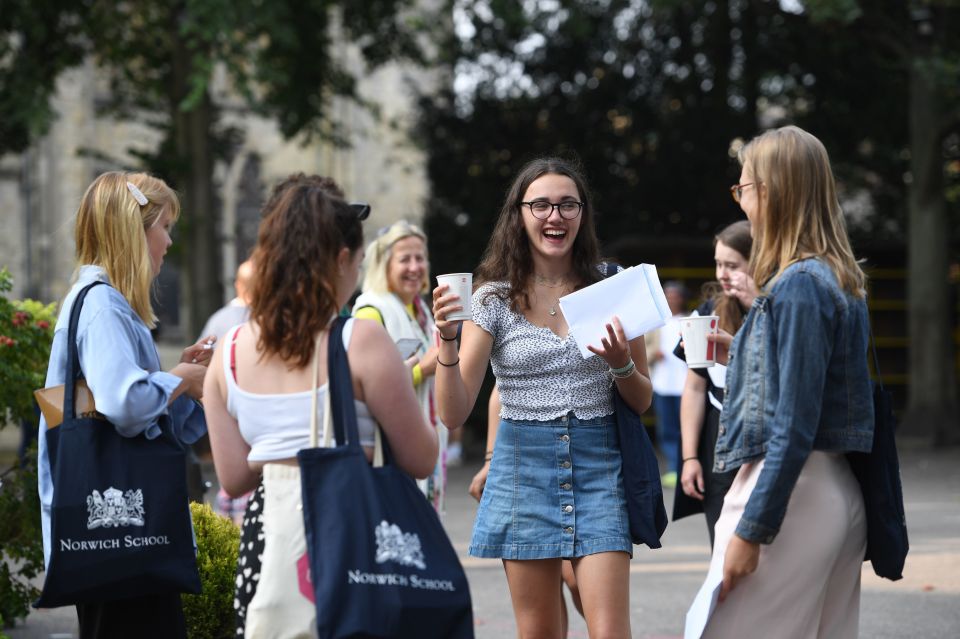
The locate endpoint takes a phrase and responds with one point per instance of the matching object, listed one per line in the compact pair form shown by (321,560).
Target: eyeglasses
(362,209)
(541,209)
(737,191)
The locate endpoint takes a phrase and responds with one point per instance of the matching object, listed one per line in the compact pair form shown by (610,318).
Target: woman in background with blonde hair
(791,536)
(122,233)
(396,272)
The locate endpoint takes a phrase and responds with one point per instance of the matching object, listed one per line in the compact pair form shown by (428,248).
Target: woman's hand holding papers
(616,348)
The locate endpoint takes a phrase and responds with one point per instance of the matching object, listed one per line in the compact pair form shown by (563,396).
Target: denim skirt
(554,489)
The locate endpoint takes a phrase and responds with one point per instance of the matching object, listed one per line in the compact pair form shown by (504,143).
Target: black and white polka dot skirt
(251,557)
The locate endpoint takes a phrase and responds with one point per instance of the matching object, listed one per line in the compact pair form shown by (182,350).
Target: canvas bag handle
(328,409)
(73,354)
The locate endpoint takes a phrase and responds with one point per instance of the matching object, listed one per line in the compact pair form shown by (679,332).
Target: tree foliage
(654,97)
(179,65)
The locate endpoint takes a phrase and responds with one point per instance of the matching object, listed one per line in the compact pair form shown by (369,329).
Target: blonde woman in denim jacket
(792,534)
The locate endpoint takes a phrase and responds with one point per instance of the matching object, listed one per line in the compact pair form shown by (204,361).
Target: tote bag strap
(73,354)
(337,362)
(876,360)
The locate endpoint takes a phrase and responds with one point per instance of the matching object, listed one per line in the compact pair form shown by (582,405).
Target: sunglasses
(362,209)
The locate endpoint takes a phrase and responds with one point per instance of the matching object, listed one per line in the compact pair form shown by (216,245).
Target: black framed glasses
(541,209)
(737,191)
(362,209)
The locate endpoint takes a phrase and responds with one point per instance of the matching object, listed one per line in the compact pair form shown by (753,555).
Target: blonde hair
(111,233)
(377,259)
(801,216)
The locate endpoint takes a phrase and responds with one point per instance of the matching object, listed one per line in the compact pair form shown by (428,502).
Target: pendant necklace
(545,282)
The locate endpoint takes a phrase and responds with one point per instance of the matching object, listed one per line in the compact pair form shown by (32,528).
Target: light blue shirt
(122,368)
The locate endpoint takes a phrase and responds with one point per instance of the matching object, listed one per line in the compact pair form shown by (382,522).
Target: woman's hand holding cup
(723,340)
(450,306)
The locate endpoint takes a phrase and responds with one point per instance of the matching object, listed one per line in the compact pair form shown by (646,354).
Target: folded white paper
(633,295)
(704,603)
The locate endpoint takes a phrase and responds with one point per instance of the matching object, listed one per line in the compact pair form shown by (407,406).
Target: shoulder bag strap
(73,354)
(876,360)
(337,362)
(313,401)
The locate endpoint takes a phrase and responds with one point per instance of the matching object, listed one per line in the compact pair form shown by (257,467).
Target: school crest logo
(395,545)
(114,508)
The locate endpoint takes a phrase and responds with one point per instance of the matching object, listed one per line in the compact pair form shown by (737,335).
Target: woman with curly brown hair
(260,386)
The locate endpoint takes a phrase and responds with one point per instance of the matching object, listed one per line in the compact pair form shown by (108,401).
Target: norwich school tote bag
(120,523)
(380,561)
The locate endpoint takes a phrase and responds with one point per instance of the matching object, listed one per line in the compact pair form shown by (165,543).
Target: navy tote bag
(878,473)
(380,561)
(120,523)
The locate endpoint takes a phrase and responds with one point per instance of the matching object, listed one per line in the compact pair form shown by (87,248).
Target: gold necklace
(539,279)
(553,307)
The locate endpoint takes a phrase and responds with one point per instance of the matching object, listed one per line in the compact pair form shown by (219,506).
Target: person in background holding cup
(554,488)
(701,489)
(396,271)
(791,536)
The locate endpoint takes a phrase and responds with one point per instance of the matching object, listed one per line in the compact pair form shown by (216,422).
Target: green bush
(26,332)
(210,614)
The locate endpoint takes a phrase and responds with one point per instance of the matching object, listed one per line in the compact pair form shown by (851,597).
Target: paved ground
(926,603)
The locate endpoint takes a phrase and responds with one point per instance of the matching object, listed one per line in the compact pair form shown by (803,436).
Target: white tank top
(277,425)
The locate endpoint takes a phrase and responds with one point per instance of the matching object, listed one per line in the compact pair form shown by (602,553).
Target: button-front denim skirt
(554,489)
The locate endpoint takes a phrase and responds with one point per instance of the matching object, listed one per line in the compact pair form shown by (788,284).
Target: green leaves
(210,614)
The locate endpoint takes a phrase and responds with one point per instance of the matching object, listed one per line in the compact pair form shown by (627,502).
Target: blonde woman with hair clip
(122,233)
(791,536)
(396,274)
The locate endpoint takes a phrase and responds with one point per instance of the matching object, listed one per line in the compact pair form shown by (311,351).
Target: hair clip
(137,194)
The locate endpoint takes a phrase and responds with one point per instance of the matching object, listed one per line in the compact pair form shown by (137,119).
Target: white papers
(704,603)
(633,295)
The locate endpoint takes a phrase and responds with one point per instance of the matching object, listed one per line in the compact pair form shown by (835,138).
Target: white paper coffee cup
(460,284)
(700,352)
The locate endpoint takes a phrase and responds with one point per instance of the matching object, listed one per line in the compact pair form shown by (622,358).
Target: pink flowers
(7,341)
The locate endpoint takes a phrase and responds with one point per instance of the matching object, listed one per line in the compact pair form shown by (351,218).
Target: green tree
(653,96)
(38,40)
(286,60)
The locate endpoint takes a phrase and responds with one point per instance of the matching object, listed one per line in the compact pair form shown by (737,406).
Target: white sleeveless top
(277,425)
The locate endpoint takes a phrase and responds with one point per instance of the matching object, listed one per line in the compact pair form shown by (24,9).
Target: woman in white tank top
(258,391)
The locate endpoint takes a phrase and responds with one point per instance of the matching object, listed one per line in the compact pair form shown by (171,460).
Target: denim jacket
(797,381)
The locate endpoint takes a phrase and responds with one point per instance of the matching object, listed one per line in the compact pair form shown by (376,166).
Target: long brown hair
(294,292)
(802,216)
(726,307)
(507,257)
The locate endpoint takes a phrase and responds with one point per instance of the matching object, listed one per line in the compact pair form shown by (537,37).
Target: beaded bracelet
(624,371)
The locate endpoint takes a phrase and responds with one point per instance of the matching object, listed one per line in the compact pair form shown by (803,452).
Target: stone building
(41,188)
